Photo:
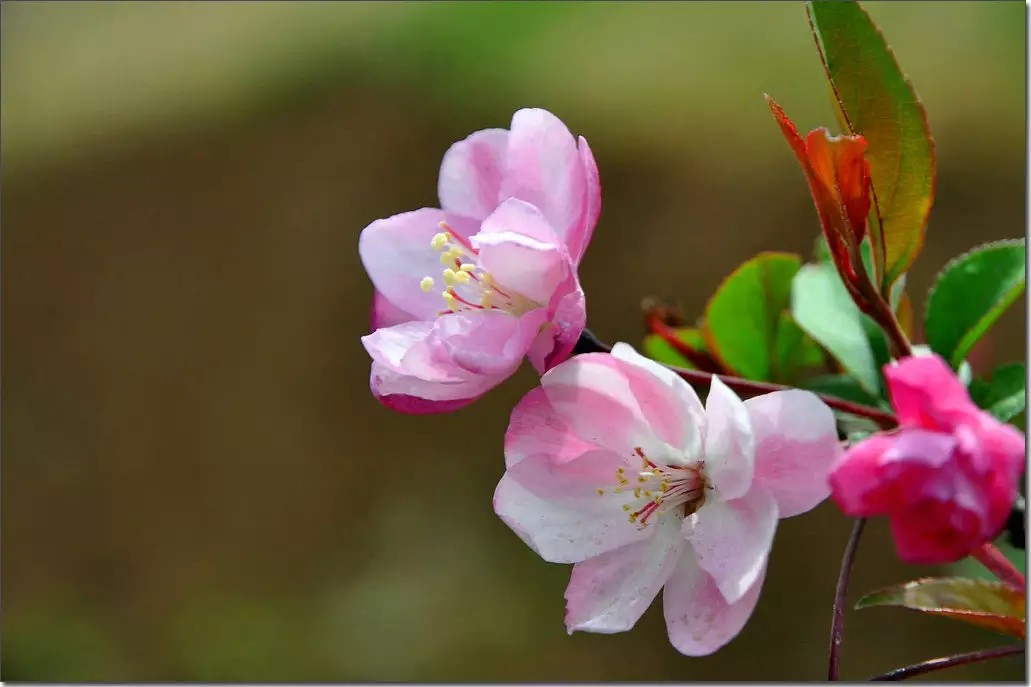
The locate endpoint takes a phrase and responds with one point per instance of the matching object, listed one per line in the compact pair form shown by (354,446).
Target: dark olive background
(197,484)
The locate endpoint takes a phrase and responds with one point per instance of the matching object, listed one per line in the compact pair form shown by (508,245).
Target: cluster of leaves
(817,325)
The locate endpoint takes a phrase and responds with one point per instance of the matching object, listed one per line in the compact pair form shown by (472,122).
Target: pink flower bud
(947,477)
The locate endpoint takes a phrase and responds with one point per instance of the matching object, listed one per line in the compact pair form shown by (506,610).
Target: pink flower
(614,465)
(947,477)
(464,293)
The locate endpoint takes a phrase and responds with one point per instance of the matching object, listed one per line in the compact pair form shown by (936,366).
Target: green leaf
(1004,393)
(992,605)
(657,348)
(970,294)
(844,387)
(794,350)
(879,102)
(821,306)
(743,317)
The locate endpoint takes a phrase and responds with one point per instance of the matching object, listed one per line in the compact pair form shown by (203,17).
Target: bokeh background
(197,484)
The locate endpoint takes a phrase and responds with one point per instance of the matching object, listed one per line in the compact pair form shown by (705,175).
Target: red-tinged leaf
(991,605)
(877,101)
(839,181)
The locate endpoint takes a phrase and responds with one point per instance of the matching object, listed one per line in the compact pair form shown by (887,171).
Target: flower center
(467,286)
(659,487)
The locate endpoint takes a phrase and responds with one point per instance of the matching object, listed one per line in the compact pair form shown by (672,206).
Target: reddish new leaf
(991,605)
(839,180)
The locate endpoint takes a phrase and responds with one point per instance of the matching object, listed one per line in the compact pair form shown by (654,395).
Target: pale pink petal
(470,174)
(698,618)
(557,510)
(610,592)
(578,239)
(732,540)
(396,253)
(796,443)
(518,247)
(668,403)
(487,342)
(592,394)
(729,442)
(386,314)
(536,430)
(544,168)
(926,393)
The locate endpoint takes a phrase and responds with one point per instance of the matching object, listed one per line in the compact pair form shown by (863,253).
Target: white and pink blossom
(614,465)
(465,292)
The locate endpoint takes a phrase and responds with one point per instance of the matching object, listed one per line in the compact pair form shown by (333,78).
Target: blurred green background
(197,484)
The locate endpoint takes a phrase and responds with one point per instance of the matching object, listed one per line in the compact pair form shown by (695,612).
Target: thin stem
(949,662)
(1000,566)
(589,343)
(838,621)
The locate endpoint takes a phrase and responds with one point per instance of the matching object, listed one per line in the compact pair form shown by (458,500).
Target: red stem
(1000,566)
(589,343)
(838,620)
(949,662)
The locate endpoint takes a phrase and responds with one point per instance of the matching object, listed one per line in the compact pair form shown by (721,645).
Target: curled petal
(926,393)
(610,592)
(698,617)
(471,172)
(732,540)
(518,247)
(796,444)
(545,169)
(578,239)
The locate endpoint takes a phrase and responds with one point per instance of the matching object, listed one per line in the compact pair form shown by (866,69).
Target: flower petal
(536,430)
(557,510)
(729,442)
(887,472)
(518,247)
(926,393)
(732,540)
(568,314)
(796,443)
(471,172)
(578,239)
(418,359)
(592,395)
(386,314)
(544,168)
(698,618)
(397,255)
(487,342)
(668,403)
(610,592)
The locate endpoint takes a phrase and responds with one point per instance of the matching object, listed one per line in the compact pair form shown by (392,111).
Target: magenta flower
(464,293)
(614,465)
(947,477)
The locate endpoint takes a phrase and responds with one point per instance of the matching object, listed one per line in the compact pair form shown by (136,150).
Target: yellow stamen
(426,284)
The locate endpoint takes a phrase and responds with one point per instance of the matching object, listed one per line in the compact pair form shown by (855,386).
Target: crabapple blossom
(614,465)
(947,478)
(465,292)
